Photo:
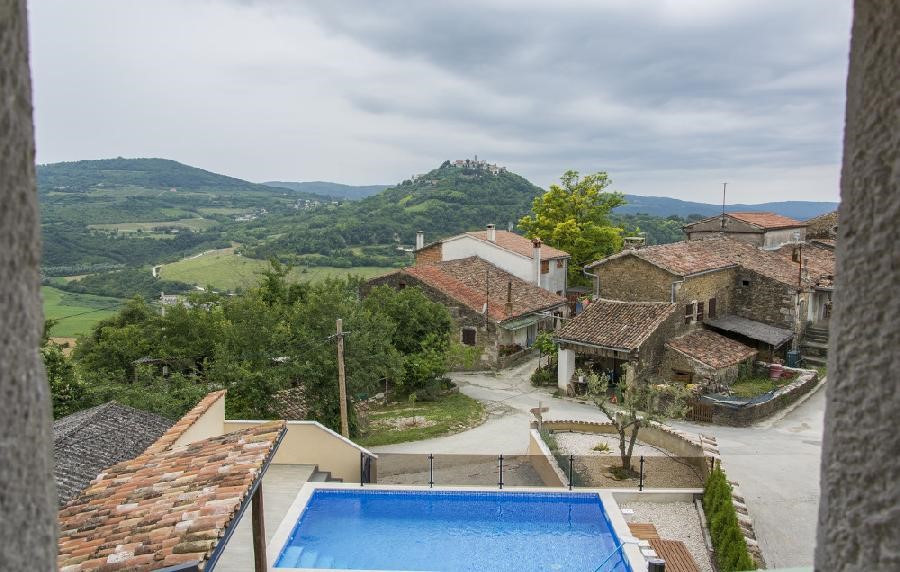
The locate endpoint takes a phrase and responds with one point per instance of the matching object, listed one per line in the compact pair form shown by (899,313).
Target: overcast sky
(670,97)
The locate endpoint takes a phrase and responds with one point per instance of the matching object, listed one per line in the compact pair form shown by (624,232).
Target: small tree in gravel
(642,405)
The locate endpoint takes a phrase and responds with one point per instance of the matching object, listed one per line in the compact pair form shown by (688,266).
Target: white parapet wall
(311,443)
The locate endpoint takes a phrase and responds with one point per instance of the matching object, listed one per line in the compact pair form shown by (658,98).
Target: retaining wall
(742,415)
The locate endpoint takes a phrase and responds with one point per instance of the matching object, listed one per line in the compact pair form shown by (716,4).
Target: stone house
(527,259)
(759,298)
(766,230)
(706,358)
(491,308)
(824,226)
(622,339)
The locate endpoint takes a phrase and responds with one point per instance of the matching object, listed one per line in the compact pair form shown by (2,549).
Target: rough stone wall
(653,349)
(429,255)
(487,336)
(764,300)
(634,280)
(27,490)
(718,285)
(859,519)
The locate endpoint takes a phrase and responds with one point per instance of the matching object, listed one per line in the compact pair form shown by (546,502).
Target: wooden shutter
(699,311)
(545,266)
(688,313)
(712,307)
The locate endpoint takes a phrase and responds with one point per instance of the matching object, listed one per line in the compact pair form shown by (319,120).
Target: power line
(88,312)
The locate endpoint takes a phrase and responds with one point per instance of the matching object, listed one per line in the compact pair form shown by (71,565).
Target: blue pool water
(453,531)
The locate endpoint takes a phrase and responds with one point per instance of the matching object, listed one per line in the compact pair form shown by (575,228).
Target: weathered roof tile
(712,349)
(617,325)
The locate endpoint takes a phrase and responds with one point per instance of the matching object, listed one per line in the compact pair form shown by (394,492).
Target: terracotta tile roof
(694,256)
(768,221)
(519,244)
(472,280)
(166,506)
(613,324)
(712,349)
(291,404)
(818,260)
(680,258)
(86,442)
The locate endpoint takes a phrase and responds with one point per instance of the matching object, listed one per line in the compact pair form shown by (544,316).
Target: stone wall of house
(653,349)
(487,337)
(429,255)
(703,375)
(764,300)
(702,288)
(632,279)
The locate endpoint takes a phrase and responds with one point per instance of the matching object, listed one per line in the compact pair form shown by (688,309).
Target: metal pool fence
(570,471)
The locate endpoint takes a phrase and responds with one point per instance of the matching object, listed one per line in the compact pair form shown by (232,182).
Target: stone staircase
(323,477)
(814,345)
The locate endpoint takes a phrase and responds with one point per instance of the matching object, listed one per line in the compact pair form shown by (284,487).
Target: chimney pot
(491,233)
(420,240)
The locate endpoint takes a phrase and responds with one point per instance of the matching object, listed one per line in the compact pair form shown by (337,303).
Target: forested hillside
(337,190)
(444,201)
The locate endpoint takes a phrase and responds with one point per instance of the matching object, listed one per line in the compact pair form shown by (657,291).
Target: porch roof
(759,331)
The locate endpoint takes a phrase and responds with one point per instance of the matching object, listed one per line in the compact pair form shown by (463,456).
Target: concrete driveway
(776,462)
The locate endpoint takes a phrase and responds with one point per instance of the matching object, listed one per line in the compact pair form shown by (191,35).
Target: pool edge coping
(631,549)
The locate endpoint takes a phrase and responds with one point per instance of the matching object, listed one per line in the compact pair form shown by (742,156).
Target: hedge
(727,538)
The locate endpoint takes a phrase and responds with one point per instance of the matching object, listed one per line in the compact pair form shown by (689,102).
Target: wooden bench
(676,555)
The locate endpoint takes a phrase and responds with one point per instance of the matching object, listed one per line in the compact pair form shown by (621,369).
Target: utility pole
(342,384)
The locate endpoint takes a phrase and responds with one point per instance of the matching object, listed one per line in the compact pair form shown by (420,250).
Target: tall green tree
(574,216)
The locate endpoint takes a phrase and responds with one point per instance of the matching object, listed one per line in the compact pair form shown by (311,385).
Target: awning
(520,322)
(759,331)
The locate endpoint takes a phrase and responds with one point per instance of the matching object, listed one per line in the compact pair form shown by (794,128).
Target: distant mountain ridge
(337,190)
(667,206)
(144,172)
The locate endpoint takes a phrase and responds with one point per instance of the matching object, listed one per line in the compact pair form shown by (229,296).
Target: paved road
(776,462)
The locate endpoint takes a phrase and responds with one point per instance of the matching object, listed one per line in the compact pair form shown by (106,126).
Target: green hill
(152,174)
(337,190)
(442,202)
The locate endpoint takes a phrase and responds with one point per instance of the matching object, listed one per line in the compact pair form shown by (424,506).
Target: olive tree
(642,405)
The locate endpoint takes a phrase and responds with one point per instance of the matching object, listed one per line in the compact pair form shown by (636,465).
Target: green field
(225,270)
(123,227)
(76,313)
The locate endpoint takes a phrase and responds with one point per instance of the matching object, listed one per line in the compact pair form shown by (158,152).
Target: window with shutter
(699,311)
(688,313)
(712,307)
(545,266)
(468,336)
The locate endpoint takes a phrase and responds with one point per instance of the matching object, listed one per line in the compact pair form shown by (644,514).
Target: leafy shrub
(728,541)
(541,377)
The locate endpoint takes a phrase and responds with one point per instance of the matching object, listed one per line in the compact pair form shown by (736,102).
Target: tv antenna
(724,186)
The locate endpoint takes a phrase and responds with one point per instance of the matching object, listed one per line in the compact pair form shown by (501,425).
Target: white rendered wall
(565,368)
(775,238)
(516,264)
(466,246)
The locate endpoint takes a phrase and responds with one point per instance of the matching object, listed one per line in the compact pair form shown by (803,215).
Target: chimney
(509,305)
(491,233)
(420,240)
(536,245)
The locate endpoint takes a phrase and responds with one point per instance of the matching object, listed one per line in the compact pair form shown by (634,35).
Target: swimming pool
(452,531)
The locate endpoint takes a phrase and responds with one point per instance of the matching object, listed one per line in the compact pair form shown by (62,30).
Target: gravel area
(593,467)
(674,521)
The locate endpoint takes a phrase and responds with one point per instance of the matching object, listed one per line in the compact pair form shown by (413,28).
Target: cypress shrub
(727,538)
